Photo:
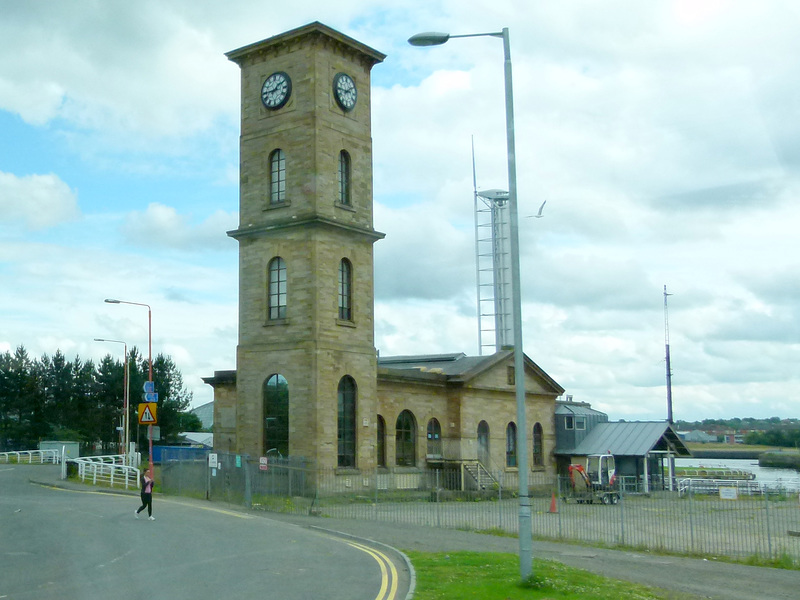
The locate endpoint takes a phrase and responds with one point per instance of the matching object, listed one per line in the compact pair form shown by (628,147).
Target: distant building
(205,412)
(697,436)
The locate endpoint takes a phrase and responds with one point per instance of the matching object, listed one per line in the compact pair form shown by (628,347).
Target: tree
(82,401)
(173,397)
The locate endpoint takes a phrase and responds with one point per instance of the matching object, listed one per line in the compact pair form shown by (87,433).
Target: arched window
(511,445)
(406,439)
(347,422)
(344,178)
(434,439)
(276,292)
(345,290)
(483,444)
(276,415)
(538,446)
(277,177)
(380,446)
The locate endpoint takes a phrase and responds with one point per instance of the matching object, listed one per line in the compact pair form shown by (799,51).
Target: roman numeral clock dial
(276,90)
(344,91)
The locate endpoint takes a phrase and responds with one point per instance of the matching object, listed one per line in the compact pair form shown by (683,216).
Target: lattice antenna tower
(669,367)
(493,267)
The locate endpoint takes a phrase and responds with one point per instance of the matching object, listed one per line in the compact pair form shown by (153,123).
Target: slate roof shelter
(639,449)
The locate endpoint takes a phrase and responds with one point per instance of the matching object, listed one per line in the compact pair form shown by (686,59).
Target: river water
(771,477)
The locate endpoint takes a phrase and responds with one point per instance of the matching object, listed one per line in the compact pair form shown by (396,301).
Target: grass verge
(495,576)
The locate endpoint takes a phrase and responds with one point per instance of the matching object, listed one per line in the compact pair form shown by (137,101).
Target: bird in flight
(538,215)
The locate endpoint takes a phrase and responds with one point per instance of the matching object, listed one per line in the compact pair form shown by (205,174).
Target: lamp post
(525,543)
(125,395)
(149,362)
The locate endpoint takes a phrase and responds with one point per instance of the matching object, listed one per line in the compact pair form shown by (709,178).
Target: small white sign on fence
(212,460)
(727,493)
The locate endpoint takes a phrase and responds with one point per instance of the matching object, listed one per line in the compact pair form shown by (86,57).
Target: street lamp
(125,396)
(149,362)
(525,531)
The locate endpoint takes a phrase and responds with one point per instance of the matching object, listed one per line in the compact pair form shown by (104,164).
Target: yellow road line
(388,590)
(230,513)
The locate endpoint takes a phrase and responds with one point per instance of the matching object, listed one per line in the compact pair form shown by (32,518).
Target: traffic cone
(553,505)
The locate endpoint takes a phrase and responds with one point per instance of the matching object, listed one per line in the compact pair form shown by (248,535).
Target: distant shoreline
(766,457)
(727,454)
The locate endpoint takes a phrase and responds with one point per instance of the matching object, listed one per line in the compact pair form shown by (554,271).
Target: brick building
(308,379)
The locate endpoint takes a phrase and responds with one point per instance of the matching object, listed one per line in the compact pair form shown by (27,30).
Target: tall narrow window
(277,177)
(344,178)
(276,415)
(406,439)
(434,439)
(511,445)
(345,290)
(380,445)
(276,292)
(538,445)
(483,444)
(347,422)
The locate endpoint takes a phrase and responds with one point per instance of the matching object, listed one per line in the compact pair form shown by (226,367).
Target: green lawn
(495,576)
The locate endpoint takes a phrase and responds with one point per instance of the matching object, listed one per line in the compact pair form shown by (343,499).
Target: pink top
(147,485)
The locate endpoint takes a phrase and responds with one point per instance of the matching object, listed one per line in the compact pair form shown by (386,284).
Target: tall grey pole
(525,532)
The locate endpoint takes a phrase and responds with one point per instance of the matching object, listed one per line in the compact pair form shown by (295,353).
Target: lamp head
(111,301)
(429,38)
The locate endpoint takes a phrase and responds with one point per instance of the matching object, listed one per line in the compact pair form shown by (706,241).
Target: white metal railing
(712,486)
(32,456)
(111,470)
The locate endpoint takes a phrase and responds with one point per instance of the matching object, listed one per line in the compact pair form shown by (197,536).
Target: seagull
(538,215)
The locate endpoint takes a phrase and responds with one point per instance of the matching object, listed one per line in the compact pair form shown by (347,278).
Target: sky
(663,136)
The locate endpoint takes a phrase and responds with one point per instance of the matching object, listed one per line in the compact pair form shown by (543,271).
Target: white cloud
(39,201)
(663,136)
(162,226)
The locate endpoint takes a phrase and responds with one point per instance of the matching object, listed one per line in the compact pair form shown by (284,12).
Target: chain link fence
(709,520)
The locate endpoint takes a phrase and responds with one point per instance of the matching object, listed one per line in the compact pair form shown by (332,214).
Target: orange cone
(553,505)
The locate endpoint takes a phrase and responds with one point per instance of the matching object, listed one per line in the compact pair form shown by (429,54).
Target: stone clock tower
(306,376)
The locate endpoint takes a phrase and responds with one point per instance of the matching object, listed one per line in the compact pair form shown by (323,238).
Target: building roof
(205,412)
(453,368)
(576,408)
(630,439)
(315,28)
(198,438)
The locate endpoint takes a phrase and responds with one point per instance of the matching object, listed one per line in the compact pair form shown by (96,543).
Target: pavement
(681,577)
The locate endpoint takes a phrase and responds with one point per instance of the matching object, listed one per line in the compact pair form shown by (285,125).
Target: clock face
(276,90)
(344,90)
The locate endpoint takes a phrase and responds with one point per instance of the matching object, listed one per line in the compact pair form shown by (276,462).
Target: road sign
(212,460)
(151,397)
(149,387)
(147,413)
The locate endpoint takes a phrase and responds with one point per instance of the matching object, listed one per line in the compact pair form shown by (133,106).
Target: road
(73,544)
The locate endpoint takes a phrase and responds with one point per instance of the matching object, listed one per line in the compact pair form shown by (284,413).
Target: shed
(644,451)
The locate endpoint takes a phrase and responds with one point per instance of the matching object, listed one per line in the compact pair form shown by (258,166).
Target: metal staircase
(477,477)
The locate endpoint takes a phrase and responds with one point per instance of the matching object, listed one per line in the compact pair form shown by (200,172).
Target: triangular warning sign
(147,416)
(147,413)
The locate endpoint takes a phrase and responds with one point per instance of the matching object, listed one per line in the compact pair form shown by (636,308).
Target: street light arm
(435,38)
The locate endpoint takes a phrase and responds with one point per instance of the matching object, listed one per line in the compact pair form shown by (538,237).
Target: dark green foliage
(774,431)
(53,398)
